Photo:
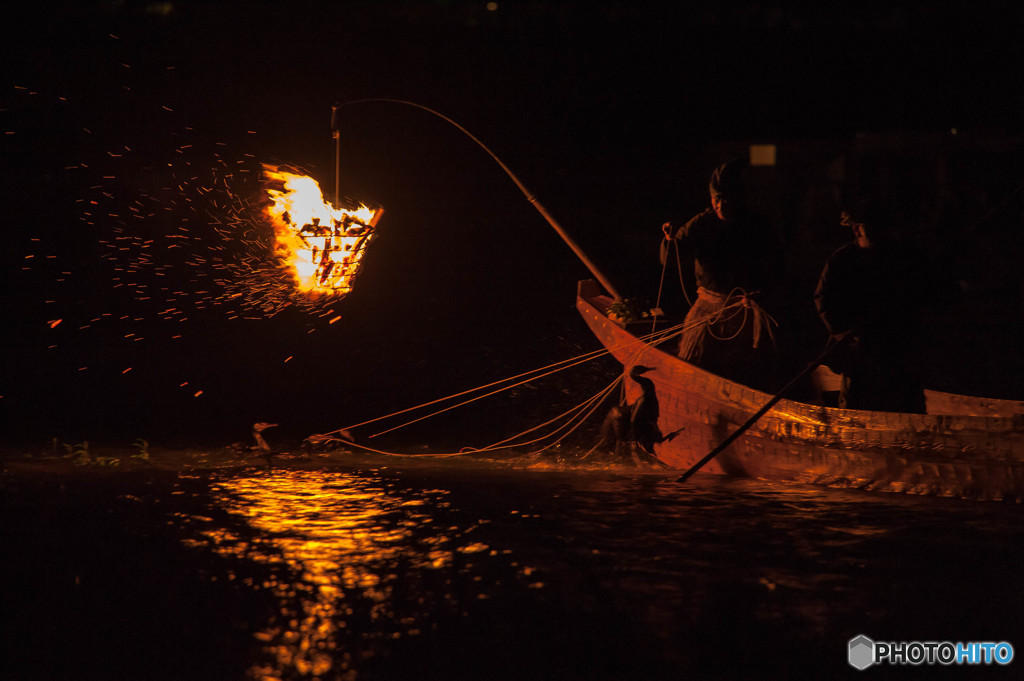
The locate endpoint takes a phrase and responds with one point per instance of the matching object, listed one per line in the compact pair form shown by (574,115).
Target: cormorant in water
(643,417)
(637,423)
(257,433)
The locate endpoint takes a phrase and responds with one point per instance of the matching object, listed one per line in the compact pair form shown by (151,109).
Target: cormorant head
(639,369)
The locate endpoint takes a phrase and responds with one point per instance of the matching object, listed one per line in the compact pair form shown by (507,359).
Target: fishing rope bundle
(738,301)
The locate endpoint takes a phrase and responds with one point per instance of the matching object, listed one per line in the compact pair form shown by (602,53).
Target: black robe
(876,294)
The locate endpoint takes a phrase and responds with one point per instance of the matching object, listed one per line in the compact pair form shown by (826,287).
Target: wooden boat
(963,447)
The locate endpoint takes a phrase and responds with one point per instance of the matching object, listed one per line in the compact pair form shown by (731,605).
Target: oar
(832,345)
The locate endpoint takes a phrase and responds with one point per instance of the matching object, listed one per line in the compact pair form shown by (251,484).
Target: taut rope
(584,410)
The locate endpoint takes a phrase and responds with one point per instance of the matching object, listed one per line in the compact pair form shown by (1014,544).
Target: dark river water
(397,568)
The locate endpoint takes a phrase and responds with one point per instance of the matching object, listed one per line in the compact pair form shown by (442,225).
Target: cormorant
(257,433)
(644,413)
(637,423)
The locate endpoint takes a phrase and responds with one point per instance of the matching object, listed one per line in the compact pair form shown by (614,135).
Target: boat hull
(975,450)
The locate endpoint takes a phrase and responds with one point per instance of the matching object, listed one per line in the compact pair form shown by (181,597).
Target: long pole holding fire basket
(336,134)
(530,196)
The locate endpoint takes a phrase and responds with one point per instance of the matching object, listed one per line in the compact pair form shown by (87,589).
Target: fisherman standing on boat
(736,263)
(875,289)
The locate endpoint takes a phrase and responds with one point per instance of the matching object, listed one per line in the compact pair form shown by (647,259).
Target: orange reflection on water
(339,539)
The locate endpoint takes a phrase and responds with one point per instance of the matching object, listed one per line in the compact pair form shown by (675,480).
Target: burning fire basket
(322,246)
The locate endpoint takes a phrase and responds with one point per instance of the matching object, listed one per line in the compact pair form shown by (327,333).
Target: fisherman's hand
(669,231)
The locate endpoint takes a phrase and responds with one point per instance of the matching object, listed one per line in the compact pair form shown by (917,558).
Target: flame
(321,246)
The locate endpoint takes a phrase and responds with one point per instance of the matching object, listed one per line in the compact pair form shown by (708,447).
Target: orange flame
(320,245)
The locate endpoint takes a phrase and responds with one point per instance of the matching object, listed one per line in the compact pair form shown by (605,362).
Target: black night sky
(117,114)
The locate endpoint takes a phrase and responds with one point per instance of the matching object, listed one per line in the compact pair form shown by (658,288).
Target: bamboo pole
(336,134)
(587,262)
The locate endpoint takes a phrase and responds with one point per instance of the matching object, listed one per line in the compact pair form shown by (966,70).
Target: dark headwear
(875,217)
(727,180)
(865,211)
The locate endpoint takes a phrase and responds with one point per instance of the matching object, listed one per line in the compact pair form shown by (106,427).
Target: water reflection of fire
(320,245)
(345,543)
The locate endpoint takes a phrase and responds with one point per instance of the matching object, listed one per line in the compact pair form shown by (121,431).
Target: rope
(719,316)
(661,281)
(585,413)
(679,268)
(761,319)
(547,371)
(577,362)
(592,402)
(460,394)
(508,442)
(586,408)
(622,400)
(661,286)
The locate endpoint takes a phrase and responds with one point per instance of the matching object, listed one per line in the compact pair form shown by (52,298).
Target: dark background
(614,113)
